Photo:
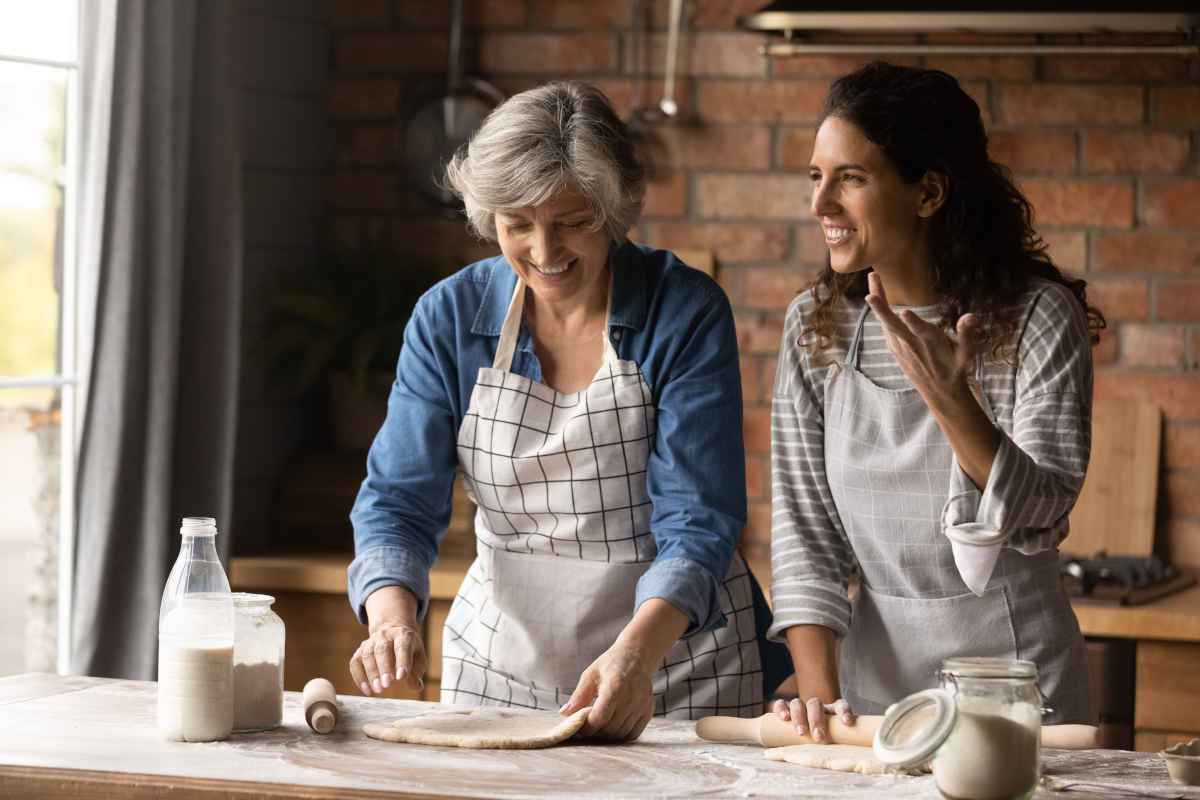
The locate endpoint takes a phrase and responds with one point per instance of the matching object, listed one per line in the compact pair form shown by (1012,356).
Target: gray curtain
(161,244)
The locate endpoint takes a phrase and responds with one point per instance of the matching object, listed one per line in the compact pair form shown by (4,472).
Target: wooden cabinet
(1167,707)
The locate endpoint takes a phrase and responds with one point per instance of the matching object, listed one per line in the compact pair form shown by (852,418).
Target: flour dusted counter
(91,737)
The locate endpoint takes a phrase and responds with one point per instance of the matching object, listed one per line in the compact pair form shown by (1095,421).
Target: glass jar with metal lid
(258,642)
(982,729)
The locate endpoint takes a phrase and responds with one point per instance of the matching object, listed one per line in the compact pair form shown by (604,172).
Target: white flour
(258,696)
(195,690)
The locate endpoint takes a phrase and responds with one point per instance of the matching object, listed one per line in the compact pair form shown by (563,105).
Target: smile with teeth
(835,236)
(560,269)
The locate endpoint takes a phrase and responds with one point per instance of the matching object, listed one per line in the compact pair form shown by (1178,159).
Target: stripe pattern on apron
(563,535)
(889,466)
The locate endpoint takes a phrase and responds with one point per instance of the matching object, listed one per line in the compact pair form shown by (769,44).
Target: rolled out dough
(837,757)
(486,728)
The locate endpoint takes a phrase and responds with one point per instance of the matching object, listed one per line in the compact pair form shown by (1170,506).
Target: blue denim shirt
(673,321)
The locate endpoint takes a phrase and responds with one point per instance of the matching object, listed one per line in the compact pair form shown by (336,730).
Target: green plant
(347,313)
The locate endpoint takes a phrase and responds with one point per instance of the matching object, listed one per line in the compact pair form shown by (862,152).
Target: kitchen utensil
(320,705)
(770,731)
(1183,762)
(442,123)
(667,108)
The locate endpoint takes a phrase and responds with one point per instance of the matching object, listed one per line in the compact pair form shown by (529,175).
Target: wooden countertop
(1172,618)
(67,737)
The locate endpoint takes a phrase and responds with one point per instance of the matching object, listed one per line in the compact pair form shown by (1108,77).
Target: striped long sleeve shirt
(1042,408)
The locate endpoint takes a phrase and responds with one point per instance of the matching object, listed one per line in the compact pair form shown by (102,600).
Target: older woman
(588,390)
(932,412)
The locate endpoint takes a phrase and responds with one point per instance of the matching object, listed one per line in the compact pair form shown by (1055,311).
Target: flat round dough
(486,728)
(837,757)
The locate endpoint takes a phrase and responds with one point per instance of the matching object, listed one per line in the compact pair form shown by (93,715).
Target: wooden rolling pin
(320,705)
(770,731)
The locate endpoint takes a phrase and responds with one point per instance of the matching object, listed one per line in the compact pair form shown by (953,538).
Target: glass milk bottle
(195,641)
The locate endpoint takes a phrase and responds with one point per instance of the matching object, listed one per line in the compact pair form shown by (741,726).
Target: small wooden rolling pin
(770,731)
(320,705)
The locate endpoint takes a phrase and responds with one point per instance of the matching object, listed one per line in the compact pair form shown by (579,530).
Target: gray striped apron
(889,466)
(563,535)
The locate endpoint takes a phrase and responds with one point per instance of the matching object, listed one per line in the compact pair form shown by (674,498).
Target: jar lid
(914,728)
(248,599)
(979,667)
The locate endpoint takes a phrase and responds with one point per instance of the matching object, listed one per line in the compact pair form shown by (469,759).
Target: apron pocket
(557,615)
(896,645)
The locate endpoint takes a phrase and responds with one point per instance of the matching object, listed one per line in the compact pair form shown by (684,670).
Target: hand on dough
(617,686)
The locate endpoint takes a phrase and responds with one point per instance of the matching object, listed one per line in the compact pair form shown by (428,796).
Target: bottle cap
(914,728)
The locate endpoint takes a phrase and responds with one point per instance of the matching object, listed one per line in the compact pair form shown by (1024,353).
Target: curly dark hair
(984,248)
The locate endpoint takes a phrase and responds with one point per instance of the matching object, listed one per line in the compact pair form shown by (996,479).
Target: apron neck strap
(510,331)
(851,360)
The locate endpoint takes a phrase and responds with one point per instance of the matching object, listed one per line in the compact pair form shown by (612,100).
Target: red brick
(761,101)
(1120,298)
(751,369)
(358,13)
(1105,352)
(1178,395)
(390,52)
(1000,68)
(582,14)
(1194,350)
(1033,151)
(1145,251)
(1178,300)
(795,147)
(700,55)
(1151,345)
(1171,204)
(1175,106)
(1131,68)
(437,240)
(717,146)
(1183,542)
(1066,202)
(1135,151)
(827,66)
(372,190)
(435,14)
(364,99)
(758,478)
(760,196)
(756,428)
(1181,446)
(699,14)
(551,54)
(759,333)
(727,241)
(1054,104)
(770,288)
(666,196)
(1068,249)
(757,536)
(1183,494)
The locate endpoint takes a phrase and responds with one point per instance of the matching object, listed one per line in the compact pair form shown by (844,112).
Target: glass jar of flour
(195,641)
(257,664)
(982,729)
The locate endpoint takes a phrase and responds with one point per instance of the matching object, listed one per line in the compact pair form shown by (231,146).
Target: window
(38,76)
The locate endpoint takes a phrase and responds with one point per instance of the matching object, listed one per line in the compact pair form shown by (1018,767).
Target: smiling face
(556,248)
(870,216)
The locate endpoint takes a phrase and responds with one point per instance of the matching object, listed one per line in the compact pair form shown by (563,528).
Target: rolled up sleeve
(696,470)
(403,506)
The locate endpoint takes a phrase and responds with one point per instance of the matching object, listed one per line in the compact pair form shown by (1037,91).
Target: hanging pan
(442,123)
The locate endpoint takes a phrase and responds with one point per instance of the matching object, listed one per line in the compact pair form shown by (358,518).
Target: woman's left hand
(617,686)
(936,362)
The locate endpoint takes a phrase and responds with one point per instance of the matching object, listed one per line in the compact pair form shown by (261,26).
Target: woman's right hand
(809,715)
(394,650)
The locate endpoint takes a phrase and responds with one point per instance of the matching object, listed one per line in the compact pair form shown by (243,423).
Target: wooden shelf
(1174,618)
(326,573)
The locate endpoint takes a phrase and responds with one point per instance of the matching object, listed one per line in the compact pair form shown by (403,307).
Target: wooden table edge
(57,783)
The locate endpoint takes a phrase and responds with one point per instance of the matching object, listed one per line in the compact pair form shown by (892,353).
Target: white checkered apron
(889,467)
(563,533)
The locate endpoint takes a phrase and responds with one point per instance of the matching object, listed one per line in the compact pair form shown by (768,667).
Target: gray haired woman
(588,390)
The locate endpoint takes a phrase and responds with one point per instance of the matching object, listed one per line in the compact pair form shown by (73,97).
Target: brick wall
(1106,148)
